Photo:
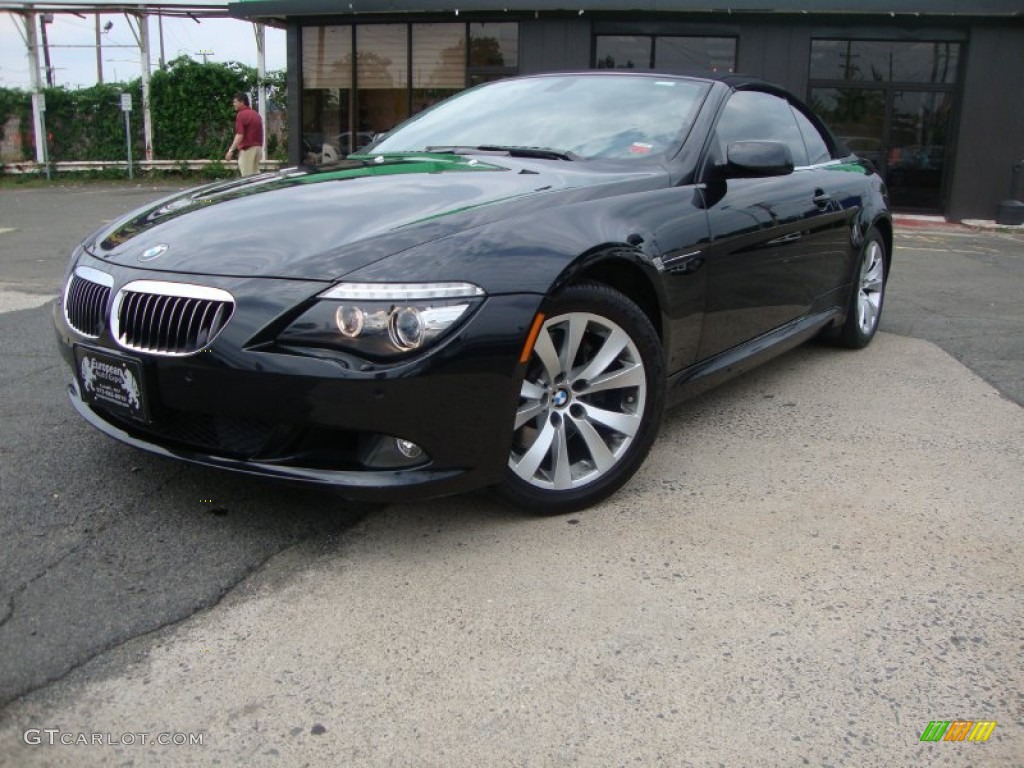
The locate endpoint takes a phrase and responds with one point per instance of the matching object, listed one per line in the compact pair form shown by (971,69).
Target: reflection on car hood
(321,224)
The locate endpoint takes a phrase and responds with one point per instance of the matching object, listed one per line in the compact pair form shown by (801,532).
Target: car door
(827,266)
(763,229)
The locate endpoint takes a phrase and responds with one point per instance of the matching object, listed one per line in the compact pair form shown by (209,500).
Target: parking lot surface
(817,560)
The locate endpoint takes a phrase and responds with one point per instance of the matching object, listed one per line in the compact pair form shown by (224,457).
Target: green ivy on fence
(16,103)
(87,124)
(190,105)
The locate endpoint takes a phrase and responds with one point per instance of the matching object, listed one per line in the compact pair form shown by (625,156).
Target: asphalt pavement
(818,559)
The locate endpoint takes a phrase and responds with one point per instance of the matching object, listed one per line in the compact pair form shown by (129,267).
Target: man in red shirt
(248,136)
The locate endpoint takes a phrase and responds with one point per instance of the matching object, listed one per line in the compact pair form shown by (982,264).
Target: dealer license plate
(112,381)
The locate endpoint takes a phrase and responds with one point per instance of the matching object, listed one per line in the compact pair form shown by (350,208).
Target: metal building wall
(554,43)
(777,51)
(991,131)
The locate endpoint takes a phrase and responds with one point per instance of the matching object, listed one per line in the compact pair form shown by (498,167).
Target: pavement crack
(84,543)
(9,612)
(203,605)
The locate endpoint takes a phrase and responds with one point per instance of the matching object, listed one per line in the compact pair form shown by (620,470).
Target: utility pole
(32,47)
(141,32)
(99,52)
(44,19)
(204,54)
(147,120)
(261,75)
(160,25)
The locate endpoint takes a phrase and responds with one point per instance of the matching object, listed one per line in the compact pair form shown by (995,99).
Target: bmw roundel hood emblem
(151,253)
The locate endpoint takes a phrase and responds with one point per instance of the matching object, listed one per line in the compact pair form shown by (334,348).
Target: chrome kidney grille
(86,297)
(172,319)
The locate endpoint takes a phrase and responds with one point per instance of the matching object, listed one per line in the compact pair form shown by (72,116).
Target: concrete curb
(911,221)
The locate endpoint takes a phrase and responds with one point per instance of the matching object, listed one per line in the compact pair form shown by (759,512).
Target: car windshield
(586,116)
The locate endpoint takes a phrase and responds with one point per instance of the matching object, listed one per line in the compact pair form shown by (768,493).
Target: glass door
(891,103)
(903,133)
(917,148)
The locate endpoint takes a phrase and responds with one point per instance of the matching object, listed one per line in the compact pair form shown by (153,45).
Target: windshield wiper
(542,153)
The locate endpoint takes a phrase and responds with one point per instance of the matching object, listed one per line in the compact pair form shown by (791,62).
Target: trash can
(1010,212)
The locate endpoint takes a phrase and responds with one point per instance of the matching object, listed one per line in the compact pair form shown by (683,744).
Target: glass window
(756,116)
(622,52)
(817,147)
(326,93)
(494,45)
(566,113)
(697,54)
(382,70)
(856,117)
(361,80)
(438,63)
(878,61)
(327,57)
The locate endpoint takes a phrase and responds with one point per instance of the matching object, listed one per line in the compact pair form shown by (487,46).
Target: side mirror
(756,159)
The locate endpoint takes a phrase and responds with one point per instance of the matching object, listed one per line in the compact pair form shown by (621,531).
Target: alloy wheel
(872,284)
(581,403)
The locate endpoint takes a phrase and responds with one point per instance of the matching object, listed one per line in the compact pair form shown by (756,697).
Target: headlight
(383,320)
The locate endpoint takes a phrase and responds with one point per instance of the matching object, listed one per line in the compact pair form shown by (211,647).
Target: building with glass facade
(931,90)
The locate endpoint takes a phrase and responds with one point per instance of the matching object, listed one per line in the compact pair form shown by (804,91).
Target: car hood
(321,224)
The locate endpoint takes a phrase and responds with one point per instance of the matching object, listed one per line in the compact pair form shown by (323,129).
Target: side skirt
(708,374)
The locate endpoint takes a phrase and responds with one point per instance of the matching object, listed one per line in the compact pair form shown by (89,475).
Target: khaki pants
(249,160)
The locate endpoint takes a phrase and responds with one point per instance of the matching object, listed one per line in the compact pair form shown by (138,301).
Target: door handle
(821,199)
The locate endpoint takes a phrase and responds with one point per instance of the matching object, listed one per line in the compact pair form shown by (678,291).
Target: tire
(867,295)
(584,425)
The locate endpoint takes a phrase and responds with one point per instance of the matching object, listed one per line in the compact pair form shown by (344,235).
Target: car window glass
(756,116)
(651,115)
(817,147)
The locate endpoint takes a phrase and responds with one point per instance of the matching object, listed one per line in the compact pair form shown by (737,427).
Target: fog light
(389,452)
(408,448)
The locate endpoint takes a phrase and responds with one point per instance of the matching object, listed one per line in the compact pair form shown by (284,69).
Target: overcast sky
(228,39)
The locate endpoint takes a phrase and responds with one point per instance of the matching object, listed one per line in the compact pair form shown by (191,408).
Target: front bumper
(305,417)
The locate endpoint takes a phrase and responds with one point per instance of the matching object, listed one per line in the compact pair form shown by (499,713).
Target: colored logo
(958,730)
(151,253)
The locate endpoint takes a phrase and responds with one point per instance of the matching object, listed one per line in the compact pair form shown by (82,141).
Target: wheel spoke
(610,350)
(544,349)
(528,412)
(631,376)
(531,460)
(531,391)
(873,266)
(560,458)
(571,345)
(602,457)
(869,314)
(624,423)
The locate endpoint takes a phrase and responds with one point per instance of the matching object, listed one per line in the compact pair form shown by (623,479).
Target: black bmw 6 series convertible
(507,289)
